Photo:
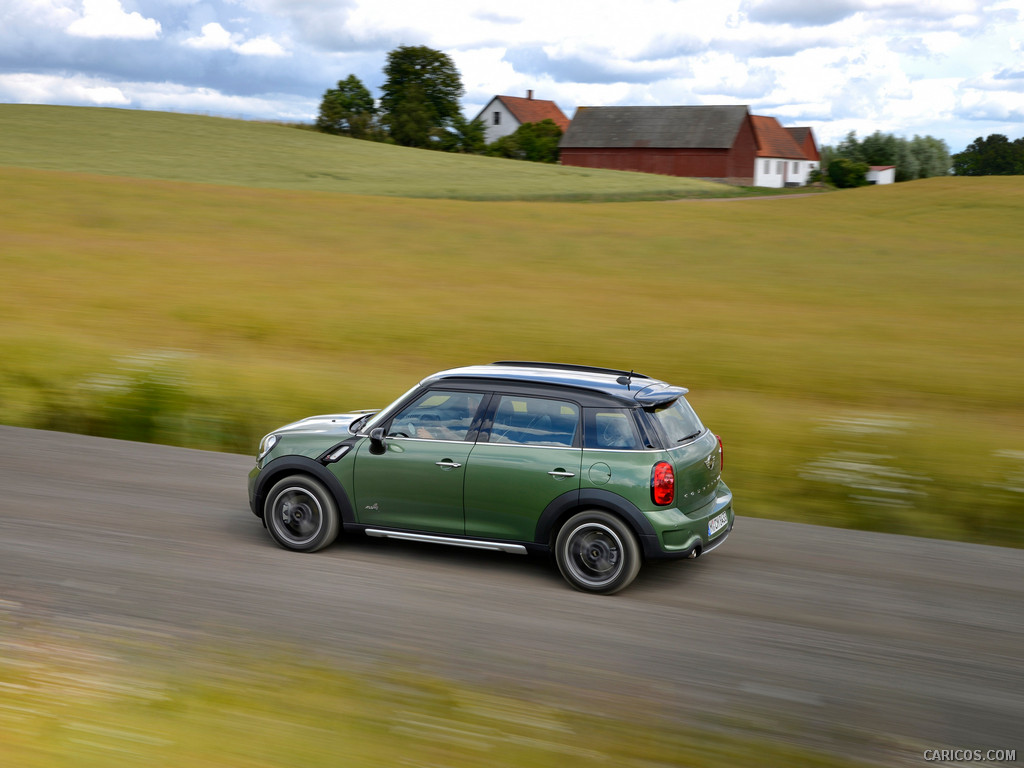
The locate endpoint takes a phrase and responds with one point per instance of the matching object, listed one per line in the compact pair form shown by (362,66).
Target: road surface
(868,644)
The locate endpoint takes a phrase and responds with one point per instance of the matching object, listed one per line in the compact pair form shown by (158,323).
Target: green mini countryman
(603,468)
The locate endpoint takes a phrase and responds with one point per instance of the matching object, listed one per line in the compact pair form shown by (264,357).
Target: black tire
(301,514)
(597,552)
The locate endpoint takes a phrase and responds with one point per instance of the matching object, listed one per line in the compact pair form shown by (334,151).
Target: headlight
(267,445)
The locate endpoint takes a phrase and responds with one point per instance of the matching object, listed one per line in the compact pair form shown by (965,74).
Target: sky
(951,69)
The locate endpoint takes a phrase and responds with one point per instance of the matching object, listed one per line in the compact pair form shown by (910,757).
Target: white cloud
(947,68)
(29,88)
(77,90)
(215,38)
(108,19)
(261,46)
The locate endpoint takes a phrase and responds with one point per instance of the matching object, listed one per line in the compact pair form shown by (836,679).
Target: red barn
(716,142)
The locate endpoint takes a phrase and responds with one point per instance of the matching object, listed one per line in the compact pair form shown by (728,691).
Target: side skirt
(493,546)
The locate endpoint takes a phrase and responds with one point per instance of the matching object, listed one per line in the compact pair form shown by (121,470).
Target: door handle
(448,464)
(561,473)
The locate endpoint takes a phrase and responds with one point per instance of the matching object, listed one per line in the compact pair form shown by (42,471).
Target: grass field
(155,145)
(71,699)
(859,352)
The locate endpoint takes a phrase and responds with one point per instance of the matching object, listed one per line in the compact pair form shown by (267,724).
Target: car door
(527,455)
(417,482)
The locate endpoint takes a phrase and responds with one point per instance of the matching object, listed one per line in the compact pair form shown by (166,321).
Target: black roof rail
(570,367)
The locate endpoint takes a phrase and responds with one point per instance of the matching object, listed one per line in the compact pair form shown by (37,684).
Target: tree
(410,121)
(347,110)
(530,141)
(879,149)
(465,136)
(850,148)
(993,156)
(932,156)
(420,94)
(847,173)
(918,159)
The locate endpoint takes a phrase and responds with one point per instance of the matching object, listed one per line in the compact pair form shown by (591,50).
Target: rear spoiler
(655,396)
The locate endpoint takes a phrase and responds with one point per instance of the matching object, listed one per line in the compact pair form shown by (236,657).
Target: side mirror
(377,446)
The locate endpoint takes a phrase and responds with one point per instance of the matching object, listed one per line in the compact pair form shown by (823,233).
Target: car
(601,468)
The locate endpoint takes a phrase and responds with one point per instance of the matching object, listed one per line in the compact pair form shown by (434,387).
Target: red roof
(881,167)
(534,110)
(804,137)
(775,141)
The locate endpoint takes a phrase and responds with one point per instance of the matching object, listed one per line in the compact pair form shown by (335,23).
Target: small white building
(881,174)
(784,157)
(504,114)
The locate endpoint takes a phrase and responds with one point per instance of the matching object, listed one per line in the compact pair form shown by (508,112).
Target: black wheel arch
(568,504)
(291,465)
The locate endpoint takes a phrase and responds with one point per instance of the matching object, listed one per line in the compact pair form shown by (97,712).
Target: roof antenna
(626,379)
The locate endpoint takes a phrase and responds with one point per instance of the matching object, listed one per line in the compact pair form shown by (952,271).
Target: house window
(497,118)
(796,167)
(779,166)
(767,166)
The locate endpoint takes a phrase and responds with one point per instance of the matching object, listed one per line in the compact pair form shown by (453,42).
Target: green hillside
(175,147)
(858,351)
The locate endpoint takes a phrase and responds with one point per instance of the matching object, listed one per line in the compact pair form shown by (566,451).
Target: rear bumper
(693,539)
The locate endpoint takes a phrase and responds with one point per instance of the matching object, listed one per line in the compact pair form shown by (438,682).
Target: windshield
(678,422)
(380,416)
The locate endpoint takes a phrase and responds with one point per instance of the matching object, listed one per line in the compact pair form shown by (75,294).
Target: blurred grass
(859,352)
(66,700)
(158,145)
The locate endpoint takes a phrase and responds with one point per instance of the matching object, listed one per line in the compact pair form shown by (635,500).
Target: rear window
(678,422)
(607,429)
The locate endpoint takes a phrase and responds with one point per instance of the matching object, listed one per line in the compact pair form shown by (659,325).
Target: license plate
(715,524)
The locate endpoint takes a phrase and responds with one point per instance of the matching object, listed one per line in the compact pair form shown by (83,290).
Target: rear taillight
(663,483)
(721,454)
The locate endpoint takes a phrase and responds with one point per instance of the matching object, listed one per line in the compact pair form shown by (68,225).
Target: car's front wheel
(597,552)
(301,514)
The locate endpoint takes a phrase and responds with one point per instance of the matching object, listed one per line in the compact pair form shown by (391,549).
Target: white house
(503,114)
(780,159)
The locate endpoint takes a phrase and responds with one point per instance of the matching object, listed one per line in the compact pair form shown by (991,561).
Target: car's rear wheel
(597,552)
(301,514)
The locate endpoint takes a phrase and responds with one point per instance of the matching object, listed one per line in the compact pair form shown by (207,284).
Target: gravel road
(869,644)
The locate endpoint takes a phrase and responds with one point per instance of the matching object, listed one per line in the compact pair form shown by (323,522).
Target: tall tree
(992,156)
(347,110)
(410,120)
(918,159)
(879,149)
(932,156)
(421,90)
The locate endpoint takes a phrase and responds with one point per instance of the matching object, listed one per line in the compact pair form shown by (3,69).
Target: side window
(497,118)
(534,421)
(611,430)
(438,415)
